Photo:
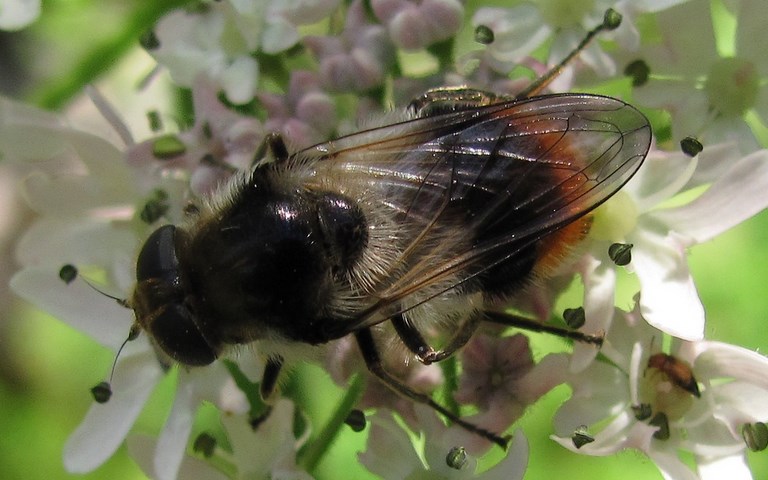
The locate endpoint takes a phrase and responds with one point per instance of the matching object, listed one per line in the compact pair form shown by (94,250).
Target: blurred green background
(47,368)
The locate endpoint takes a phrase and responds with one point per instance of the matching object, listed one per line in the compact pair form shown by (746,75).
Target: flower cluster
(313,70)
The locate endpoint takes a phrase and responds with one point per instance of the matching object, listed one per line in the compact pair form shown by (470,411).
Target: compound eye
(176,333)
(158,257)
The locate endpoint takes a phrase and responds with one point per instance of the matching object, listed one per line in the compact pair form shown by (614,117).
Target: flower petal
(714,161)
(545,375)
(277,446)
(75,195)
(672,468)
(517,31)
(653,6)
(751,28)
(239,79)
(661,177)
(612,439)
(599,392)
(689,41)
(599,292)
(106,425)
(669,299)
(52,242)
(689,107)
(279,35)
(172,442)
(722,360)
(17,14)
(142,449)
(742,403)
(732,467)
(77,304)
(514,464)
(731,129)
(738,195)
(388,441)
(194,386)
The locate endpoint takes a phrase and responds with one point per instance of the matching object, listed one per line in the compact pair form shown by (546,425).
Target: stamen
(110,115)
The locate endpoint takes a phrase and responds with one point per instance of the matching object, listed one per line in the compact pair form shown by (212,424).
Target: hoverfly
(425,225)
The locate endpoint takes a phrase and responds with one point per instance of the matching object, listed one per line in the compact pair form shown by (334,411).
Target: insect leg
(413,339)
(512,320)
(610,22)
(272,146)
(460,338)
(373,362)
(271,374)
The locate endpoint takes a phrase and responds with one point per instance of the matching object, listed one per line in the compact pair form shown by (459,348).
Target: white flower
(219,141)
(65,233)
(305,115)
(392,455)
(643,398)
(415,24)
(520,30)
(357,59)
(17,14)
(737,188)
(87,198)
(275,455)
(709,94)
(219,41)
(142,449)
(500,377)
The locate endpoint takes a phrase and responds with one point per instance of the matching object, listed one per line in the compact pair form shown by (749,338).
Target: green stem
(315,451)
(450,384)
(102,55)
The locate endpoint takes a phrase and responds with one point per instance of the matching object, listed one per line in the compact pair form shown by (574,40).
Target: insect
(678,371)
(425,225)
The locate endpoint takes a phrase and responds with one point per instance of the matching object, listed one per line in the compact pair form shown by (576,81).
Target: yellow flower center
(614,219)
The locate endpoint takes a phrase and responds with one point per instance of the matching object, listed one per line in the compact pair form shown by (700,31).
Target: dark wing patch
(473,188)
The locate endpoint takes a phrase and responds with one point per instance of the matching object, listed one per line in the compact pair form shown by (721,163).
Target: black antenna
(103,391)
(68,273)
(120,301)
(132,334)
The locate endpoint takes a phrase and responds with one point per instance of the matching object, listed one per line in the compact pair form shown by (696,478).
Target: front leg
(270,376)
(271,149)
(412,338)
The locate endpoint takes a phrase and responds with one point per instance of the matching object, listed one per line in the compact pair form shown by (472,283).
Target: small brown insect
(678,372)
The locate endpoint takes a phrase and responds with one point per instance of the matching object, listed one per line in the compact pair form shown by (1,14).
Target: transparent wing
(471,189)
